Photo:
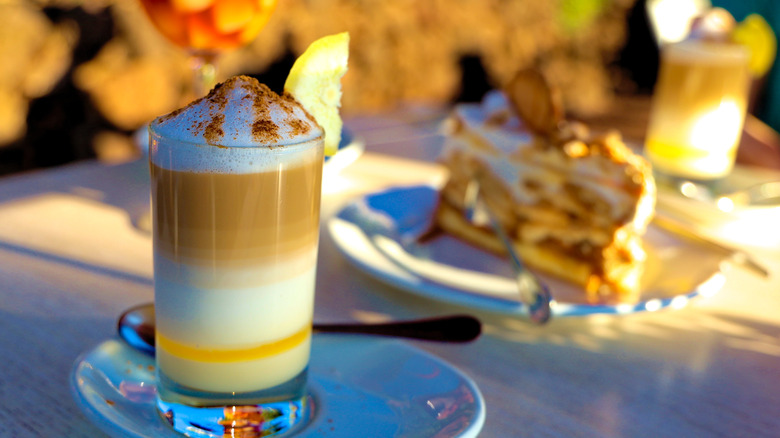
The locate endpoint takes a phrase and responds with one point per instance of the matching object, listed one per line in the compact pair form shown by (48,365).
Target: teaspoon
(533,293)
(137,325)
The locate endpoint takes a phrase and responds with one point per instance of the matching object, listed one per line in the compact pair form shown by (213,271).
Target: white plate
(380,232)
(361,386)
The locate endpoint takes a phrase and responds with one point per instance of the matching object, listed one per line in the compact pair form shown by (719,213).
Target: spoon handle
(533,293)
(137,327)
(458,328)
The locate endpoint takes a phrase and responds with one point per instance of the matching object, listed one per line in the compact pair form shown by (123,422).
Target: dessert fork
(533,293)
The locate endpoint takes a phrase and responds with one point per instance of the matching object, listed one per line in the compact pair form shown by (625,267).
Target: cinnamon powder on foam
(263,128)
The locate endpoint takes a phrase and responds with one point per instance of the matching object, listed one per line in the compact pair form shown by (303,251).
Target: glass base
(273,412)
(694,188)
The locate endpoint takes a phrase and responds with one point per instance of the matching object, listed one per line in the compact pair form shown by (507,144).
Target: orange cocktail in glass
(205,28)
(209,25)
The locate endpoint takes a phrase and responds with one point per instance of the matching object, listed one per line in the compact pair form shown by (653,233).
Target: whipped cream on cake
(575,205)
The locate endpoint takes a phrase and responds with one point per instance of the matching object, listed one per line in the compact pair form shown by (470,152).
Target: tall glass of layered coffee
(236,180)
(699,107)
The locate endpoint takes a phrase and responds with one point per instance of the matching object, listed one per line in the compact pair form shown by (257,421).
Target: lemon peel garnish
(756,34)
(315,81)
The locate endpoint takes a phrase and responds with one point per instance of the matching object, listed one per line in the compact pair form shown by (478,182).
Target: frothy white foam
(191,157)
(693,51)
(233,129)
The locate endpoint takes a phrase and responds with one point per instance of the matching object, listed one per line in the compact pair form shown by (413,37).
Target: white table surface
(71,261)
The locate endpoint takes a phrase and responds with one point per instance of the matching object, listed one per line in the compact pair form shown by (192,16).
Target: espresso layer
(236,219)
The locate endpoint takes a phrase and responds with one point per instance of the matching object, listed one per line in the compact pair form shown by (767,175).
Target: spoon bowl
(136,326)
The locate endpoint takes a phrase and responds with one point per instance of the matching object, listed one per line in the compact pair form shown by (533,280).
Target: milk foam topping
(238,117)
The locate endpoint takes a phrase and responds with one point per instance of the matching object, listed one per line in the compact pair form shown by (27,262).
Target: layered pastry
(574,204)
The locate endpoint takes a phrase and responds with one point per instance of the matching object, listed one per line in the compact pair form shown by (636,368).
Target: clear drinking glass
(698,110)
(235,247)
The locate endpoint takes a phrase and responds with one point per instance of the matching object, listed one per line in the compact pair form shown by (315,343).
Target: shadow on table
(679,373)
(125,186)
(678,335)
(81,215)
(685,372)
(76,263)
(681,335)
(39,354)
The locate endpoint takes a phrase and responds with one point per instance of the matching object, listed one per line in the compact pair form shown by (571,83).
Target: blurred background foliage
(81,76)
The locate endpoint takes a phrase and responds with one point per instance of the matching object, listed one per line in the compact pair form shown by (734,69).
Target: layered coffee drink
(699,107)
(236,183)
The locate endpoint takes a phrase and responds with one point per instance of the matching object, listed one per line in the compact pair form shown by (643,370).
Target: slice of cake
(575,205)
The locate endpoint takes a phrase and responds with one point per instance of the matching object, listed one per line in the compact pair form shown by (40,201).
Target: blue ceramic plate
(360,387)
(380,233)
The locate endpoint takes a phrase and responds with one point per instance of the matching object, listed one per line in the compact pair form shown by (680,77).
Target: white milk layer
(232,319)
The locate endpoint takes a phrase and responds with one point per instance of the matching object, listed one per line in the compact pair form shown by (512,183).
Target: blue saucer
(359,386)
